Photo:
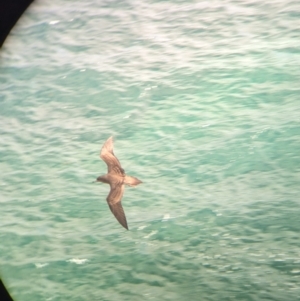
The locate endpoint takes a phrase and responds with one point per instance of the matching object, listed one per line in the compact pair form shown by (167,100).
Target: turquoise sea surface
(203,101)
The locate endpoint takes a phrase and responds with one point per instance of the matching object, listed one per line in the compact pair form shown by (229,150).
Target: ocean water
(202,98)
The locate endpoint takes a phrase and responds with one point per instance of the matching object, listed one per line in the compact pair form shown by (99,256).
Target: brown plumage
(116,178)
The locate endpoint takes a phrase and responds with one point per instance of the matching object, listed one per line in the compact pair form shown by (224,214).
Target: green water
(202,99)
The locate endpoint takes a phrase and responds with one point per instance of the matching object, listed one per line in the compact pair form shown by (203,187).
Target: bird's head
(102,179)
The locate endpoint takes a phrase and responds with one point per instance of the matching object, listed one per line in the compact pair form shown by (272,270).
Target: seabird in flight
(117,179)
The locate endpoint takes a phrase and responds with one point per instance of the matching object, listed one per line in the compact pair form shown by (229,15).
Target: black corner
(10,12)
(4,295)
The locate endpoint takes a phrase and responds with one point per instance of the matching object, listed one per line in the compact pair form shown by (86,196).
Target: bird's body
(116,178)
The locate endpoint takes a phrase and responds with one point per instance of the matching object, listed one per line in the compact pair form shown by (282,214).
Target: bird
(117,179)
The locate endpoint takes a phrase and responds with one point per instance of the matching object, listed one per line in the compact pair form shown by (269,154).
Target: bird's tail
(131,181)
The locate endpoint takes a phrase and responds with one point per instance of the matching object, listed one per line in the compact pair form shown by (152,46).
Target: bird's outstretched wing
(115,205)
(107,155)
